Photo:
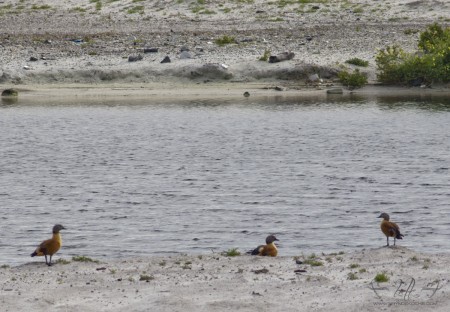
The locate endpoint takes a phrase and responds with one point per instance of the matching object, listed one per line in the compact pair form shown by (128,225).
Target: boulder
(135,58)
(10,92)
(285,56)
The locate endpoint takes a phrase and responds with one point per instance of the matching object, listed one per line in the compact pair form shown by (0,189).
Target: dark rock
(166,60)
(417,82)
(135,58)
(246,94)
(33,59)
(185,55)
(260,11)
(315,7)
(285,56)
(335,91)
(309,38)
(150,50)
(10,92)
(278,88)
(184,48)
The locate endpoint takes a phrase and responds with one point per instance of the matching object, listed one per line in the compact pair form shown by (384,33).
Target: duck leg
(394,241)
(50,263)
(387,240)
(46,259)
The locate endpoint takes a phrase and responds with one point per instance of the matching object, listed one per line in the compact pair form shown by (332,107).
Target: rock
(246,94)
(184,48)
(135,58)
(285,56)
(185,55)
(150,50)
(309,38)
(33,59)
(278,88)
(166,60)
(10,92)
(313,78)
(335,91)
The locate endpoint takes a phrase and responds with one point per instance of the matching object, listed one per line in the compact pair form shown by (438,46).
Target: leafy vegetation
(358,62)
(233,252)
(430,64)
(84,259)
(352,80)
(225,40)
(146,278)
(381,278)
(265,56)
(352,276)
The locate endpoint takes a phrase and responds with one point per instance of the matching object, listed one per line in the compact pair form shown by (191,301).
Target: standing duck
(390,229)
(50,246)
(266,250)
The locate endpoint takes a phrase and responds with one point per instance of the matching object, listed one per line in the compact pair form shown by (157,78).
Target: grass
(354,266)
(146,278)
(41,7)
(136,9)
(4,266)
(225,40)
(78,9)
(312,261)
(381,278)
(362,270)
(84,259)
(352,276)
(233,252)
(62,261)
(358,62)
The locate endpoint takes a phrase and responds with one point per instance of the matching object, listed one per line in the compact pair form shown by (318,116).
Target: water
(146,178)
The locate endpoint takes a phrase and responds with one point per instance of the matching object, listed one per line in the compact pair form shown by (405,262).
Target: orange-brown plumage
(390,229)
(266,250)
(50,246)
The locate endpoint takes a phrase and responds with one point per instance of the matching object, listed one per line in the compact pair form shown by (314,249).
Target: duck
(50,246)
(269,249)
(390,229)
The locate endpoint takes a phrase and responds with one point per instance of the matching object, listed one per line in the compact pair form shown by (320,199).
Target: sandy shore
(90,42)
(215,282)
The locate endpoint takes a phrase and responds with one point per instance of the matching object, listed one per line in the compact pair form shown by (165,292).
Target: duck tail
(33,254)
(399,236)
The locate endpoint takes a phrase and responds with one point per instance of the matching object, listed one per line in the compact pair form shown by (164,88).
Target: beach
(216,282)
(97,43)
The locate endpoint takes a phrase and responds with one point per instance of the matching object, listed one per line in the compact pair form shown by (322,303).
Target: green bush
(225,40)
(358,62)
(352,80)
(430,64)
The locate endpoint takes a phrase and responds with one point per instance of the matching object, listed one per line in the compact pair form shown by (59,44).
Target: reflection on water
(143,178)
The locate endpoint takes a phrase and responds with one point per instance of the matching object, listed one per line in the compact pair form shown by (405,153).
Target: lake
(146,178)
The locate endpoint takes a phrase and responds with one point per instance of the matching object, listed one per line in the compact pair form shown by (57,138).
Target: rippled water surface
(147,178)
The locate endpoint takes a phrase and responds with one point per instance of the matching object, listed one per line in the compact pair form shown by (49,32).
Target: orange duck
(390,229)
(50,246)
(269,249)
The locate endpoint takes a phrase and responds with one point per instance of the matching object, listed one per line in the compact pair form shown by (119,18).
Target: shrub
(233,252)
(381,278)
(265,56)
(352,80)
(430,64)
(225,40)
(358,62)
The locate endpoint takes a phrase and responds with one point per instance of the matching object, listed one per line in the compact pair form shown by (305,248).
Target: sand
(215,282)
(81,42)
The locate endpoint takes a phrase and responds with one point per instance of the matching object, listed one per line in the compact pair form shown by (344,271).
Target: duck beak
(379,216)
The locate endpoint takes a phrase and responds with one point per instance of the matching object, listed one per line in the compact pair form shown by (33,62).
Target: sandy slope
(322,35)
(215,282)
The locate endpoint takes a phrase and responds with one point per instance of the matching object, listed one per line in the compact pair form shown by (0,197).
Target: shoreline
(214,282)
